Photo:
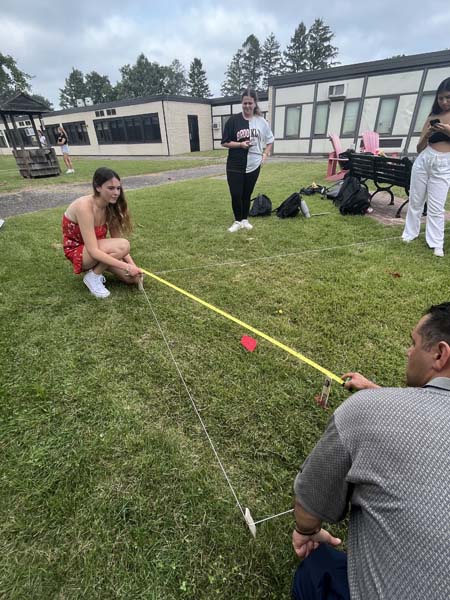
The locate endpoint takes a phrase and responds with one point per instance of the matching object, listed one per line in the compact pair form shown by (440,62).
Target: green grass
(11,180)
(109,488)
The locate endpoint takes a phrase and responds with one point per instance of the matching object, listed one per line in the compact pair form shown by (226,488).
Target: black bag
(353,198)
(290,207)
(261,207)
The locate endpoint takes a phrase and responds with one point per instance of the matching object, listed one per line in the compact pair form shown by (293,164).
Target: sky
(47,38)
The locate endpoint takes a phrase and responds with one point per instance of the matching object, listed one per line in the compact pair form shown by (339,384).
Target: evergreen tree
(270,60)
(175,83)
(74,88)
(197,82)
(12,79)
(144,78)
(320,50)
(251,62)
(295,57)
(234,82)
(99,88)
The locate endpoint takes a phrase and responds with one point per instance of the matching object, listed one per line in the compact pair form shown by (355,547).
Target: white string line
(194,405)
(275,256)
(286,512)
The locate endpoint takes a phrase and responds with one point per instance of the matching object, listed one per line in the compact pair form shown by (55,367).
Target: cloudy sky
(48,38)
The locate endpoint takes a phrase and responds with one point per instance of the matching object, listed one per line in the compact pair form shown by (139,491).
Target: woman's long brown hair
(117,215)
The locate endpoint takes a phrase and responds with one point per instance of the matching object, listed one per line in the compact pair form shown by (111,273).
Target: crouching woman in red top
(85,225)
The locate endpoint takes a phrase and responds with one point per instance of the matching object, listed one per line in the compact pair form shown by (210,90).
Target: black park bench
(384,171)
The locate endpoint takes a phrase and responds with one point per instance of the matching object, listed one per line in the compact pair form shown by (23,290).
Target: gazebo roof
(20,104)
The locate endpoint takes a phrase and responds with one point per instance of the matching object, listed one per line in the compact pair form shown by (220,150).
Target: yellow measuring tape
(273,341)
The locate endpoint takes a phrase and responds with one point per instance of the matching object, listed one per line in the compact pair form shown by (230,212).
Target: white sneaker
(235,227)
(69,171)
(246,225)
(407,240)
(95,284)
(439,252)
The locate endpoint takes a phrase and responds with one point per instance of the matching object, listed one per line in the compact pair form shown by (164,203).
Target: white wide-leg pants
(430,180)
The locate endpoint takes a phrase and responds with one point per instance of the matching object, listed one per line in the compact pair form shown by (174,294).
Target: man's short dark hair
(437,327)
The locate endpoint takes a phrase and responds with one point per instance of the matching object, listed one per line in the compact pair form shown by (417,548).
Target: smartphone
(434,121)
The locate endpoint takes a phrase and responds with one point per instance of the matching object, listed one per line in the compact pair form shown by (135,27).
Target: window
(224,120)
(2,141)
(292,122)
(100,113)
(426,102)
(321,118)
(128,130)
(77,133)
(109,111)
(350,118)
(386,115)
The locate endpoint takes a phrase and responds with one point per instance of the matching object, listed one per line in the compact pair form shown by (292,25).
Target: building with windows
(392,97)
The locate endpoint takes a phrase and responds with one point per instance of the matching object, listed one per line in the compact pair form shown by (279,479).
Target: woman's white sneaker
(235,227)
(246,225)
(439,252)
(95,285)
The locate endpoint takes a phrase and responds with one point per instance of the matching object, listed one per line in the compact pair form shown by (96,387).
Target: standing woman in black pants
(245,135)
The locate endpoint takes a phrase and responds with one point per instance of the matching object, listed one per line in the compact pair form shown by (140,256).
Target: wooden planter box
(37,162)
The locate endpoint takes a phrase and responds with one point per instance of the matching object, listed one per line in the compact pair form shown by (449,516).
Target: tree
(251,62)
(175,82)
(270,60)
(99,88)
(234,82)
(12,79)
(320,50)
(197,82)
(295,57)
(43,100)
(144,78)
(74,88)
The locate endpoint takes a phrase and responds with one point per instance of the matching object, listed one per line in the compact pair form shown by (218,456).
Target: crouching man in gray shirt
(385,455)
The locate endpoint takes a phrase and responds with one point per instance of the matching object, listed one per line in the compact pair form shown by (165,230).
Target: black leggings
(241,188)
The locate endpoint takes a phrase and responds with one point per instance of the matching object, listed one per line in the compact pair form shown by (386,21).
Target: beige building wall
(176,114)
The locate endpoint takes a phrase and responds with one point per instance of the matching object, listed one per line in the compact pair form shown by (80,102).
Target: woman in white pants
(430,177)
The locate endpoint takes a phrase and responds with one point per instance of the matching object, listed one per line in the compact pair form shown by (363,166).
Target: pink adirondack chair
(334,161)
(371,142)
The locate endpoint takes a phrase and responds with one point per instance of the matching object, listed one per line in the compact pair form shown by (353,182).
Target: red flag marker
(249,343)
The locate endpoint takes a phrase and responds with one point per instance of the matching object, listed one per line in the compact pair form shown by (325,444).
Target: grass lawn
(11,180)
(109,488)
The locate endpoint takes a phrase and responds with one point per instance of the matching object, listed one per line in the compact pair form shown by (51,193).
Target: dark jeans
(322,576)
(241,188)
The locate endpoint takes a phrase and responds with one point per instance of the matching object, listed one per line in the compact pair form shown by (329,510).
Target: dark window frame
(432,94)
(223,120)
(129,125)
(353,133)
(394,115)
(286,109)
(325,134)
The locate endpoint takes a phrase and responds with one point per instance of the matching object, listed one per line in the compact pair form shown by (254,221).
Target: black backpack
(290,207)
(353,197)
(261,207)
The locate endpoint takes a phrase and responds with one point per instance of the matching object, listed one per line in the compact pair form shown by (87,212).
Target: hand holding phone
(434,122)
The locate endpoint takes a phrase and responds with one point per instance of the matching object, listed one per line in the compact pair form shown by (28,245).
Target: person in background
(430,176)
(42,138)
(85,225)
(249,140)
(62,140)
(385,458)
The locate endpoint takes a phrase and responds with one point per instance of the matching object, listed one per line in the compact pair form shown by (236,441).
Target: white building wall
(434,78)
(295,95)
(404,114)
(395,83)
(354,88)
